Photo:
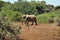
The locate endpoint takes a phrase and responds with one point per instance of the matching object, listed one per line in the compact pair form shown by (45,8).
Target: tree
(40,7)
(21,0)
(1,4)
(57,8)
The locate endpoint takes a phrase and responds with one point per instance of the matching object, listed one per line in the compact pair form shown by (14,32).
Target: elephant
(29,18)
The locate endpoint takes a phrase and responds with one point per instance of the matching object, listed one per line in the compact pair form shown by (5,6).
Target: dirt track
(40,32)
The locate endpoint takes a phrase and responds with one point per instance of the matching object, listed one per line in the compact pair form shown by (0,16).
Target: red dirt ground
(39,32)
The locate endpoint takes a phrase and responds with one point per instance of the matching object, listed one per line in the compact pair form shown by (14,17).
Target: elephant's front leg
(35,22)
(26,21)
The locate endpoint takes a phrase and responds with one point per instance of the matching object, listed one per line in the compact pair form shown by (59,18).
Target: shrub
(12,15)
(43,18)
(7,30)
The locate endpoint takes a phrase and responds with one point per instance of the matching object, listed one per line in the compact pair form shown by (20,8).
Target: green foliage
(16,10)
(12,16)
(32,7)
(57,8)
(26,7)
(43,18)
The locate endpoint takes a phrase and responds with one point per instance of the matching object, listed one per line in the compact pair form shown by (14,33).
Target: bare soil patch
(39,32)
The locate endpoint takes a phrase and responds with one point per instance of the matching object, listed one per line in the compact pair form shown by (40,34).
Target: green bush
(12,15)
(43,18)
